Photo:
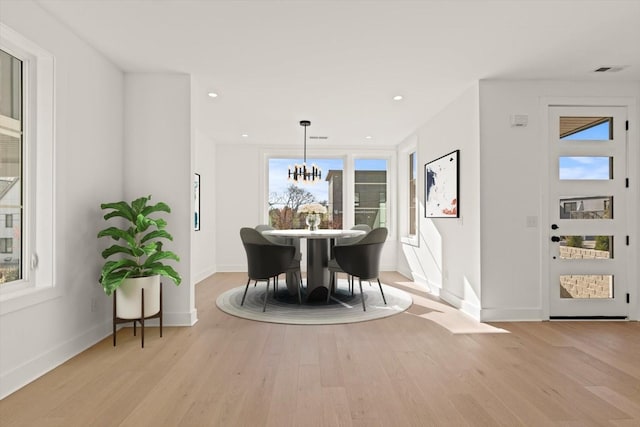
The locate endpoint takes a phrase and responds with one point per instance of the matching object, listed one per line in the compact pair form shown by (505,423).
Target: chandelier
(302,173)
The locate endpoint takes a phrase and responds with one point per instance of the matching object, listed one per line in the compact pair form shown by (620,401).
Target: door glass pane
(586,286)
(600,168)
(589,207)
(371,192)
(586,247)
(285,196)
(586,128)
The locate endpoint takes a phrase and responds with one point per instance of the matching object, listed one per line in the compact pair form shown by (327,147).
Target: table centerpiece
(314,213)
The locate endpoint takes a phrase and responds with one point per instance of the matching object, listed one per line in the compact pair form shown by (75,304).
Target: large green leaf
(160,223)
(115,249)
(113,281)
(160,256)
(143,223)
(139,204)
(158,207)
(111,266)
(156,234)
(167,271)
(121,209)
(150,248)
(117,234)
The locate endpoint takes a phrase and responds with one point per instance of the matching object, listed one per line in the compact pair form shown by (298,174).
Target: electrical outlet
(94,304)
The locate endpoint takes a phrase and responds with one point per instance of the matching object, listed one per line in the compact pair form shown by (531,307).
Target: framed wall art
(196,201)
(441,187)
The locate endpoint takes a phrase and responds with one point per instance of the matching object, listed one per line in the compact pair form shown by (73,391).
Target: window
(6,247)
(26,191)
(11,140)
(370,181)
(285,196)
(413,185)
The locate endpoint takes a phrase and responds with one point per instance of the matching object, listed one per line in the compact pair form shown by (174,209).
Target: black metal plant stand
(117,320)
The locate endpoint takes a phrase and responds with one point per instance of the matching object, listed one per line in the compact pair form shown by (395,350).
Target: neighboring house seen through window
(11,141)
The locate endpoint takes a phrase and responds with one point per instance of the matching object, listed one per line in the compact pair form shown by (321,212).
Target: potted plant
(136,261)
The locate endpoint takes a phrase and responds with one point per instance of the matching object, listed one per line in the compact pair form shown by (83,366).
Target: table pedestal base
(317,269)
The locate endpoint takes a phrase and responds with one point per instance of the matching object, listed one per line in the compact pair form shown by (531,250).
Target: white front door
(588,212)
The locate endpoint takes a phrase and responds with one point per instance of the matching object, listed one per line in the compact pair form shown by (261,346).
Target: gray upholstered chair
(350,240)
(294,273)
(334,268)
(265,260)
(362,259)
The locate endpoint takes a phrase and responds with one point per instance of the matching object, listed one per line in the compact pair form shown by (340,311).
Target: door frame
(633,205)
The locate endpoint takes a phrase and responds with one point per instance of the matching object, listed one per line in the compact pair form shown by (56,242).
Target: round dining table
(319,244)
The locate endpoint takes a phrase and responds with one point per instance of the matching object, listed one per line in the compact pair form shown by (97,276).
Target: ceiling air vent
(612,69)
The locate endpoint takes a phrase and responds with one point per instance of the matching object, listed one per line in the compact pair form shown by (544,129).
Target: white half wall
(88,169)
(157,162)
(447,260)
(203,243)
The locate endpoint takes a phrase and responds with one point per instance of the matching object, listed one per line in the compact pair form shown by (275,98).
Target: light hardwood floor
(428,366)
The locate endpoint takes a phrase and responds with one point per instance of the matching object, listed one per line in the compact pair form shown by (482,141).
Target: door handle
(554,226)
(555,239)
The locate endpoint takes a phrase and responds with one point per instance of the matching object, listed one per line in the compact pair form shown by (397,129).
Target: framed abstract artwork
(196,200)
(441,187)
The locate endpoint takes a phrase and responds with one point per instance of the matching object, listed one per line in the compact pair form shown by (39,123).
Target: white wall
(88,171)
(203,249)
(157,153)
(513,161)
(447,259)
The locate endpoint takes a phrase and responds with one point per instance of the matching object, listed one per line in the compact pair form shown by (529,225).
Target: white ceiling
(339,63)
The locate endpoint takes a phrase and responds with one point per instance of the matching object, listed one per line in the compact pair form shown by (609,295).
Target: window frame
(348,180)
(354,159)
(38,115)
(404,152)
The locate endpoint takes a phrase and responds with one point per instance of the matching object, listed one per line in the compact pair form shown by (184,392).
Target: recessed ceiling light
(368,137)
(397,97)
(245,135)
(213,94)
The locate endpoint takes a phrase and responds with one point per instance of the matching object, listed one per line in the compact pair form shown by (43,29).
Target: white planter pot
(129,297)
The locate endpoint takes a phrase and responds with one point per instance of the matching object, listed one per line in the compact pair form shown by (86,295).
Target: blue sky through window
(587,167)
(598,132)
(584,168)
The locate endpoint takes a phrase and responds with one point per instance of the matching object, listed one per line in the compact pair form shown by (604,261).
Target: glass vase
(313,221)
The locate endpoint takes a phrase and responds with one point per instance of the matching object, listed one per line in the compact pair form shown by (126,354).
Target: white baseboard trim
(180,318)
(204,274)
(36,367)
(231,268)
(406,273)
(511,315)
(432,288)
(464,306)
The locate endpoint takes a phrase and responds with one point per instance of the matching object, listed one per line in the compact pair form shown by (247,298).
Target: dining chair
(362,259)
(350,240)
(333,266)
(265,260)
(294,269)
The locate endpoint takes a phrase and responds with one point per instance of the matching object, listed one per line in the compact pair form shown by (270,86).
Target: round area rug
(342,308)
